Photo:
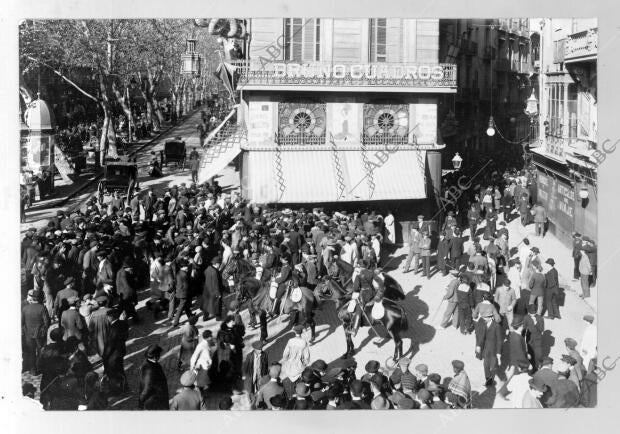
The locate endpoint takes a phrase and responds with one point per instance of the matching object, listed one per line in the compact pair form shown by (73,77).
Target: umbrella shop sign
(359,72)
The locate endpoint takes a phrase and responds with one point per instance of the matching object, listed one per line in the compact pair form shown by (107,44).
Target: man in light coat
(540,218)
(296,356)
(414,251)
(506,298)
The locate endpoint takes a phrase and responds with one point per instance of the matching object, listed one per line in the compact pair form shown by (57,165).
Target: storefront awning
(327,176)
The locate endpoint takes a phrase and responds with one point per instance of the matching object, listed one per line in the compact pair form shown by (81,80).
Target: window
(559,126)
(378,40)
(427,41)
(302,39)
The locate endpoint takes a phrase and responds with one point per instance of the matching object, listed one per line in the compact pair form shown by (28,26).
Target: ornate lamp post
(457,161)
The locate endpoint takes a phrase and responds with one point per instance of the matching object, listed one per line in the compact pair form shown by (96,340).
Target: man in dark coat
(153,393)
(489,340)
(534,327)
(443,248)
(115,349)
(212,290)
(52,363)
(552,287)
(126,289)
(35,322)
(73,323)
(456,249)
(99,326)
(537,288)
(182,294)
(577,245)
(61,300)
(255,366)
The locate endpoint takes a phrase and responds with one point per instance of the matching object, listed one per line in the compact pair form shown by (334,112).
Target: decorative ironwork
(385,124)
(257,74)
(581,44)
(301,123)
(368,169)
(279,172)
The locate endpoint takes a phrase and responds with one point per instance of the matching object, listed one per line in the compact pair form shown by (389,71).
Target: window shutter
(308,44)
(297,39)
(393,38)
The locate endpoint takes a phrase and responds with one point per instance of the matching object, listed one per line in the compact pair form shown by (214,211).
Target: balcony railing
(297,139)
(582,45)
(278,73)
(385,139)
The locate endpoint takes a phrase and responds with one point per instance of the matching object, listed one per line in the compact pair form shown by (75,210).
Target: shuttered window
(378,40)
(302,39)
(427,41)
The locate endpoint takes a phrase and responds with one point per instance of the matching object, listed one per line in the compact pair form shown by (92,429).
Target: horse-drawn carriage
(119,175)
(174,152)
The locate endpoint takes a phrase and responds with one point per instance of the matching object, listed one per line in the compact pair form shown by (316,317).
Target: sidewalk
(63,192)
(551,247)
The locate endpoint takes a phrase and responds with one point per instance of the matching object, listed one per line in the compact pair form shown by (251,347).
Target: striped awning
(334,176)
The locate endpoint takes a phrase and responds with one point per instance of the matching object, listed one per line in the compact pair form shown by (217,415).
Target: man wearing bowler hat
(153,392)
(552,288)
(35,323)
(255,366)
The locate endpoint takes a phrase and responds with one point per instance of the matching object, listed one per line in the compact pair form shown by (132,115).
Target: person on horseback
(281,282)
(299,304)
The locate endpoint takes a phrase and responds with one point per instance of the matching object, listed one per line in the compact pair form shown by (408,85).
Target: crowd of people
(84,271)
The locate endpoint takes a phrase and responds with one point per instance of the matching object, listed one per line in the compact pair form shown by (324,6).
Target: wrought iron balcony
(299,139)
(581,46)
(385,139)
(401,75)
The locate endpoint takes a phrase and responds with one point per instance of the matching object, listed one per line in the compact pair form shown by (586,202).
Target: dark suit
(489,338)
(114,351)
(74,325)
(60,303)
(212,292)
(456,251)
(35,322)
(266,391)
(533,329)
(442,255)
(126,289)
(247,370)
(552,287)
(537,288)
(182,296)
(106,273)
(153,394)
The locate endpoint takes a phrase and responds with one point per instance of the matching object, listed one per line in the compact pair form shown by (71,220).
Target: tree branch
(64,78)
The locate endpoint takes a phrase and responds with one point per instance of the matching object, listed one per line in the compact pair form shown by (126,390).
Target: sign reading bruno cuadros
(383,74)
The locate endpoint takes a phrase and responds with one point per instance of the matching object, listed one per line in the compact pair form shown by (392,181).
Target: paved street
(424,341)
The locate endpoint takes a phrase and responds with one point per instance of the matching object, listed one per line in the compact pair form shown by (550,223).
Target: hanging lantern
(457,161)
(584,193)
(532,105)
(190,59)
(491,128)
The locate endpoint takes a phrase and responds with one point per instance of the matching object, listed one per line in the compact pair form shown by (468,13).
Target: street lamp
(457,161)
(191,59)
(491,127)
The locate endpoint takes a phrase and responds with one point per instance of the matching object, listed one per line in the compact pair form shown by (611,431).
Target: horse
(305,308)
(394,317)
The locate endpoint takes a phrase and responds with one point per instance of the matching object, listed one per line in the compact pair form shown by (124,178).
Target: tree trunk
(156,114)
(122,100)
(107,142)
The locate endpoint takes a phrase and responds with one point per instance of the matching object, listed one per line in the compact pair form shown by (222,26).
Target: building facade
(341,110)
(565,158)
(494,58)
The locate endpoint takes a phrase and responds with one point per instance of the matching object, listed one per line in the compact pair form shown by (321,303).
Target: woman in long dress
(189,341)
(201,362)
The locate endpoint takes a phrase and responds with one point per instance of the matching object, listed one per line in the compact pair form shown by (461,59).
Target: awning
(328,176)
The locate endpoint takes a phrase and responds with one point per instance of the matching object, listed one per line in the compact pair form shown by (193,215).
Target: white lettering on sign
(564,207)
(358,71)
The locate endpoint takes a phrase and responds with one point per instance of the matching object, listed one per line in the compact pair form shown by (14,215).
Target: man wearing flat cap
(72,322)
(270,386)
(255,366)
(153,389)
(188,398)
(62,297)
